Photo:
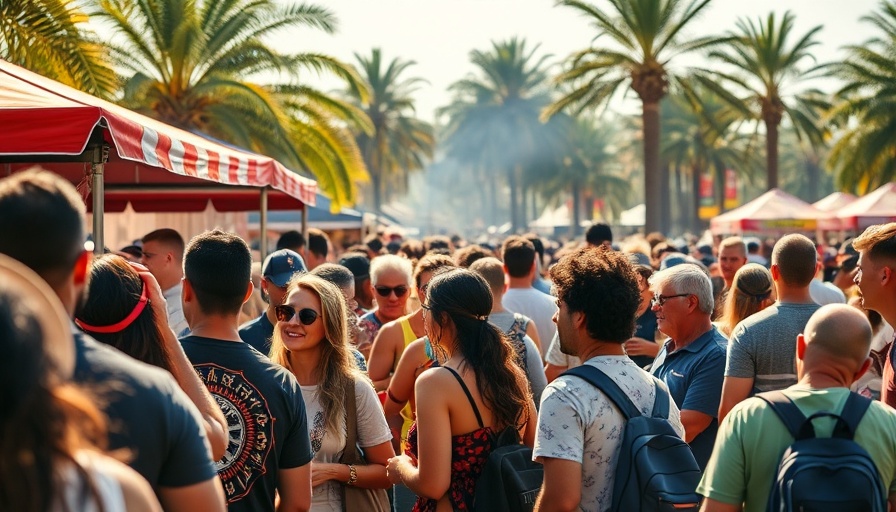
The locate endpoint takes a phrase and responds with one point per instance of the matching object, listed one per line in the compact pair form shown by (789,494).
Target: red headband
(120,326)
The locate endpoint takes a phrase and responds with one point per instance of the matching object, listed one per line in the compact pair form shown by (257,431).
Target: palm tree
(198,64)
(587,170)
(400,143)
(765,66)
(494,121)
(864,157)
(644,36)
(49,37)
(701,135)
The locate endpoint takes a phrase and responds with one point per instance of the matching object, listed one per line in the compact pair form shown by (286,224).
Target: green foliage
(49,37)
(864,157)
(399,143)
(765,68)
(494,124)
(198,64)
(635,42)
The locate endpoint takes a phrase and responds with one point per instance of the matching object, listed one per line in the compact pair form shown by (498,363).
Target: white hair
(687,278)
(388,262)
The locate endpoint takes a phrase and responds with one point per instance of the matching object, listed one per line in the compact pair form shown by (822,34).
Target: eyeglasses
(660,300)
(384,291)
(285,313)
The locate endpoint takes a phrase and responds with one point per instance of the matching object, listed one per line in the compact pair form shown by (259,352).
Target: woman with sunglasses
(390,277)
(310,339)
(477,392)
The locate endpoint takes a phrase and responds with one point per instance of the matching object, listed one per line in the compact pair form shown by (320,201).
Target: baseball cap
(280,266)
(359,264)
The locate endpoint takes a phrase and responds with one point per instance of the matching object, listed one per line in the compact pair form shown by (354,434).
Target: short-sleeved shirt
(763,346)
(328,446)
(149,416)
(538,306)
(267,427)
(752,440)
(694,375)
(176,318)
(258,333)
(578,422)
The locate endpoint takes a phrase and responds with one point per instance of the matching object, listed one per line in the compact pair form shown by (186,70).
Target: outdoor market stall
(877,207)
(773,213)
(116,156)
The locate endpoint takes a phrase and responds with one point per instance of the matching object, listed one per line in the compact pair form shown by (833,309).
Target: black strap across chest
(469,395)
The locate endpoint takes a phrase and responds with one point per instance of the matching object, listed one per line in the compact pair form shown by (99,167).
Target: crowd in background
(183,375)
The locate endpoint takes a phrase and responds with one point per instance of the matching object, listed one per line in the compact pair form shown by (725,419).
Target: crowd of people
(182,375)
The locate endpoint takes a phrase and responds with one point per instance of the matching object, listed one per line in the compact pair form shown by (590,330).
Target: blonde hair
(751,288)
(336,367)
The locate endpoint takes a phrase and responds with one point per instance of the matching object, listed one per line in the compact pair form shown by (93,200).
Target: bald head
(838,331)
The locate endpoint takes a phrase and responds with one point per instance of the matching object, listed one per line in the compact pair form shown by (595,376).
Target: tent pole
(97,189)
(305,225)
(263,224)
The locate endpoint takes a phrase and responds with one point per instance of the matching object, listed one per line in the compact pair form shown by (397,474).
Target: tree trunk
(653,173)
(514,202)
(696,223)
(493,202)
(376,184)
(681,222)
(575,217)
(771,153)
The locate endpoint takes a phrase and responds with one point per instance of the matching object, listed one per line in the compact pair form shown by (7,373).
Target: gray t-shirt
(763,346)
(534,366)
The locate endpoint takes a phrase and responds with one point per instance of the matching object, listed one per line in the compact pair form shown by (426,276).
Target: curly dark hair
(602,284)
(463,298)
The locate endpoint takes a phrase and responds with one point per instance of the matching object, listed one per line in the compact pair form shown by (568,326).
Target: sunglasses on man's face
(384,291)
(285,313)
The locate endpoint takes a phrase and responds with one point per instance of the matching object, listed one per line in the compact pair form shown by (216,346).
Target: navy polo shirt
(258,333)
(694,376)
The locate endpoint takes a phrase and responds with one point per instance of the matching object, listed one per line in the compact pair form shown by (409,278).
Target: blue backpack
(656,470)
(822,474)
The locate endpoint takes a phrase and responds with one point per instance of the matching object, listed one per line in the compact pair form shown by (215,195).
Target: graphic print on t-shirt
(249,428)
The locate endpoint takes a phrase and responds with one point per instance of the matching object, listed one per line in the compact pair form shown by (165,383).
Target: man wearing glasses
(692,361)
(277,270)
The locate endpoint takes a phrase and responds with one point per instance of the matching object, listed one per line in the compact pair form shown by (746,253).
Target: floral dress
(469,453)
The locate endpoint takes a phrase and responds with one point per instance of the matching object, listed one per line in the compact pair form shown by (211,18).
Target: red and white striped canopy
(42,121)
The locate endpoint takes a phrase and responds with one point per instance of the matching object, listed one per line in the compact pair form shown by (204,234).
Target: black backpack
(822,474)
(656,470)
(510,480)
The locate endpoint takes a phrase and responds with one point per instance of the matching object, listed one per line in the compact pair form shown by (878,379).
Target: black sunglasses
(285,313)
(384,291)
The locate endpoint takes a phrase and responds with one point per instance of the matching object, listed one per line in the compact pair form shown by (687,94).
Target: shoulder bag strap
(788,412)
(608,386)
(469,395)
(349,453)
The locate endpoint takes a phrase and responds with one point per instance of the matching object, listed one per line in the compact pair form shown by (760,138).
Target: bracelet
(352,475)
(393,398)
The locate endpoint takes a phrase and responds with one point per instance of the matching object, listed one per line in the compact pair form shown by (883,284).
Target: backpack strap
(467,391)
(787,411)
(853,410)
(608,386)
(660,402)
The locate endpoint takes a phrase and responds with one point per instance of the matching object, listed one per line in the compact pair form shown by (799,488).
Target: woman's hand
(154,292)
(324,471)
(393,467)
(641,347)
